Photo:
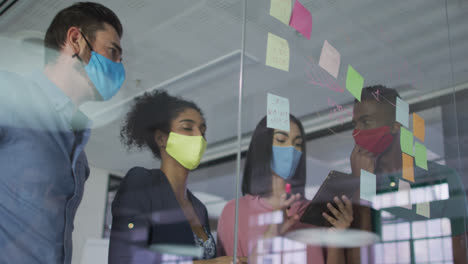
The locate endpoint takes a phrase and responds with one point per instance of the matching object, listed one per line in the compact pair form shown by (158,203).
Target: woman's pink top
(255,215)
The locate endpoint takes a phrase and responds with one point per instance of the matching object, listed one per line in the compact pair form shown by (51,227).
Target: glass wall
(335,132)
(375,87)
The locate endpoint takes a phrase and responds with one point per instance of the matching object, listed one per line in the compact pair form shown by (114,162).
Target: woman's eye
(187,128)
(280,140)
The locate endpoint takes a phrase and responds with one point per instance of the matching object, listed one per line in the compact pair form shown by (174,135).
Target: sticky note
(277,112)
(301,20)
(406,141)
(277,55)
(424,209)
(281,10)
(354,83)
(407,167)
(419,128)
(404,194)
(330,59)
(402,112)
(420,155)
(368,185)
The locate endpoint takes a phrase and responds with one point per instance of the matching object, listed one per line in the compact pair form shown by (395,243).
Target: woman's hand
(274,230)
(343,216)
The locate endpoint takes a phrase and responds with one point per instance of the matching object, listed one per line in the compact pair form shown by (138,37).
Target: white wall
(89,218)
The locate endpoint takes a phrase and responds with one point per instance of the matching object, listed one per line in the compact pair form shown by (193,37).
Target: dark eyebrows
(203,125)
(364,117)
(282,133)
(187,120)
(298,137)
(117,47)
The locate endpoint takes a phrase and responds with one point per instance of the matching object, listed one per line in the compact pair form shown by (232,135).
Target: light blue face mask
(106,75)
(285,160)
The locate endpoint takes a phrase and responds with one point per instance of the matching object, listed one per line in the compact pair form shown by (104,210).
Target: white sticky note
(404,195)
(402,112)
(424,209)
(277,55)
(277,112)
(330,59)
(368,185)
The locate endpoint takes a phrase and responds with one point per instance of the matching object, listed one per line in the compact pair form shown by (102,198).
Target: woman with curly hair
(153,206)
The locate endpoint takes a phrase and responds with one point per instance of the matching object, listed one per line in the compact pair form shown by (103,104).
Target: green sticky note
(406,141)
(354,83)
(420,155)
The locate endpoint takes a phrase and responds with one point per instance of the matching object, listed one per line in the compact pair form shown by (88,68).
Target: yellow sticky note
(419,128)
(424,209)
(408,167)
(277,55)
(281,10)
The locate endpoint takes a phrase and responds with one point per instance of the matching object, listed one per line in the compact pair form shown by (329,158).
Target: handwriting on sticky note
(420,155)
(402,112)
(281,10)
(368,185)
(354,83)
(330,59)
(277,112)
(277,55)
(407,167)
(404,194)
(419,127)
(424,209)
(301,20)
(406,141)
(336,112)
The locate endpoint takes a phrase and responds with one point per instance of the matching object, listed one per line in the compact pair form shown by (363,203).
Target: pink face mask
(375,140)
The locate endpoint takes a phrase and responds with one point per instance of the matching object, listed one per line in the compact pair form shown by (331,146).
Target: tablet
(336,184)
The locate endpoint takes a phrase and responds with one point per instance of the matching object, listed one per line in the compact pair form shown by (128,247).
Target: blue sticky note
(402,112)
(368,185)
(420,155)
(406,141)
(277,112)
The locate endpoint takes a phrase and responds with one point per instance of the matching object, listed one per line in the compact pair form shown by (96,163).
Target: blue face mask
(106,75)
(285,160)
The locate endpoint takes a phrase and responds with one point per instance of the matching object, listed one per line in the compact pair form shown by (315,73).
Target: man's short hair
(382,95)
(89,17)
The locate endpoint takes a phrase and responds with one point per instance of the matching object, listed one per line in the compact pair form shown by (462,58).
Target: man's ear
(395,128)
(160,138)
(74,40)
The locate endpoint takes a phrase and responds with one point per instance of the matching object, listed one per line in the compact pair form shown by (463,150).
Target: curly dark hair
(152,111)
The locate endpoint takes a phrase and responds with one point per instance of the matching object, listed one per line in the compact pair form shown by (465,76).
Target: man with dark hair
(43,134)
(378,151)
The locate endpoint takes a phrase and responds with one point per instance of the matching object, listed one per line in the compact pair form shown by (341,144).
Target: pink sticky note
(301,20)
(330,59)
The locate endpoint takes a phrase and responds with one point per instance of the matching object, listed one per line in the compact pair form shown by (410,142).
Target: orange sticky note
(419,129)
(408,167)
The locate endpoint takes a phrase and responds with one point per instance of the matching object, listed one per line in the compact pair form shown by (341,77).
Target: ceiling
(191,48)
